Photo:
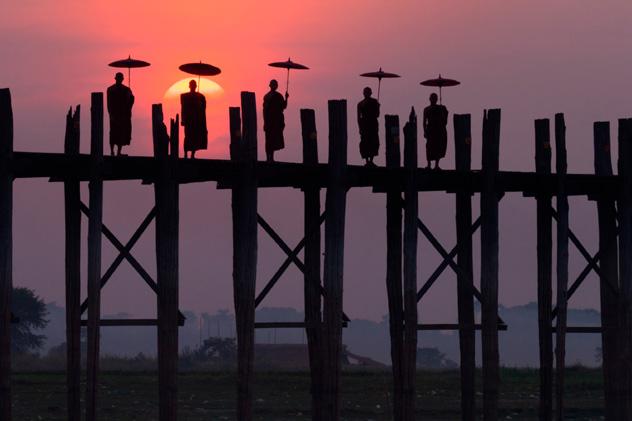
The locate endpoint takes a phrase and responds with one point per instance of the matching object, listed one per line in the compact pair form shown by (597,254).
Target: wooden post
(6,250)
(562,262)
(624,205)
(545,270)
(608,276)
(166,192)
(335,207)
(94,254)
(410,266)
(72,199)
(489,264)
(313,316)
(394,266)
(465,285)
(244,206)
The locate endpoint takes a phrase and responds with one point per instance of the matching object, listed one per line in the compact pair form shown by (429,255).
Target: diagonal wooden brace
(125,253)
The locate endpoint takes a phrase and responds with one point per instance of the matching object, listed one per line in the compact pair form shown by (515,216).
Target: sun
(209,88)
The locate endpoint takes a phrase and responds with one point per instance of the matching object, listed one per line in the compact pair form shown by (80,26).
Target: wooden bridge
(324,316)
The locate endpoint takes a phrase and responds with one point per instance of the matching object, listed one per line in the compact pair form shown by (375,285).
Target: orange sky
(531,58)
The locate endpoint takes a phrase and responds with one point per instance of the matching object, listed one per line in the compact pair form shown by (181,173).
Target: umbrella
(129,63)
(289,64)
(200,69)
(440,83)
(380,74)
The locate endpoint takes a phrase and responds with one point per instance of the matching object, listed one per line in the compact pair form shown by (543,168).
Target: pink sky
(530,58)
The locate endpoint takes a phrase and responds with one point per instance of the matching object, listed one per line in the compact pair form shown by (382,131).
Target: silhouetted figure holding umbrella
(368,113)
(435,121)
(120,101)
(273,120)
(194,120)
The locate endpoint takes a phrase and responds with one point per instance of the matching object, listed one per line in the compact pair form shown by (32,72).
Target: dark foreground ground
(285,396)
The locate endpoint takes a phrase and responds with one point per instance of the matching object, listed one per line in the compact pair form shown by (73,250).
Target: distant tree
(433,358)
(218,350)
(30,312)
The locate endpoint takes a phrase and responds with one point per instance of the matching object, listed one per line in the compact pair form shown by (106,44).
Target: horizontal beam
(580,329)
(452,326)
(287,325)
(58,167)
(129,322)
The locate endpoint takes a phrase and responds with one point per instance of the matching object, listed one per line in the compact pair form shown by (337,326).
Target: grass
(126,396)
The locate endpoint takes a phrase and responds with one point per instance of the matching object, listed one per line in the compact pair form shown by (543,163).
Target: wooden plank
(167,234)
(244,208)
(545,270)
(312,285)
(94,254)
(411,214)
(465,285)
(128,322)
(335,207)
(624,206)
(454,326)
(6,250)
(609,275)
(72,197)
(394,266)
(489,264)
(293,325)
(562,263)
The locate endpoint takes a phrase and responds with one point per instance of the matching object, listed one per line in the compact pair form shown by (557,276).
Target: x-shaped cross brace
(292,257)
(125,254)
(590,266)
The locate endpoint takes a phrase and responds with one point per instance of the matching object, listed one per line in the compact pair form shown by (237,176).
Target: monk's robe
(435,122)
(194,121)
(368,113)
(273,120)
(120,101)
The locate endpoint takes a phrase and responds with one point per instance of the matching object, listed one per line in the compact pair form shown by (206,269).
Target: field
(127,396)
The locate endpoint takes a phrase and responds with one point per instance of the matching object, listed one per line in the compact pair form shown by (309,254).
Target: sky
(531,58)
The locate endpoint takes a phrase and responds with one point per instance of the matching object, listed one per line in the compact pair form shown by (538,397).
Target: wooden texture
(6,250)
(608,275)
(244,208)
(545,270)
(624,206)
(167,234)
(410,268)
(312,292)
(72,213)
(562,264)
(465,298)
(489,264)
(335,207)
(94,254)
(394,266)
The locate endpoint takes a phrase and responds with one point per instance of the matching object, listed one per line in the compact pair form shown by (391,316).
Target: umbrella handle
(287,83)
(379,85)
(440,102)
(129,77)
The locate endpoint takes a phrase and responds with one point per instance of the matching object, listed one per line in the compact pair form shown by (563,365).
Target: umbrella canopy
(129,63)
(440,83)
(200,69)
(289,65)
(379,75)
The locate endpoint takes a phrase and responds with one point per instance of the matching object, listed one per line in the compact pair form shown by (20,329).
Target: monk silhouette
(194,120)
(273,120)
(120,102)
(435,122)
(368,113)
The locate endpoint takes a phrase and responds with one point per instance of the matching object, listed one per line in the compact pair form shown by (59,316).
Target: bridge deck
(57,166)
